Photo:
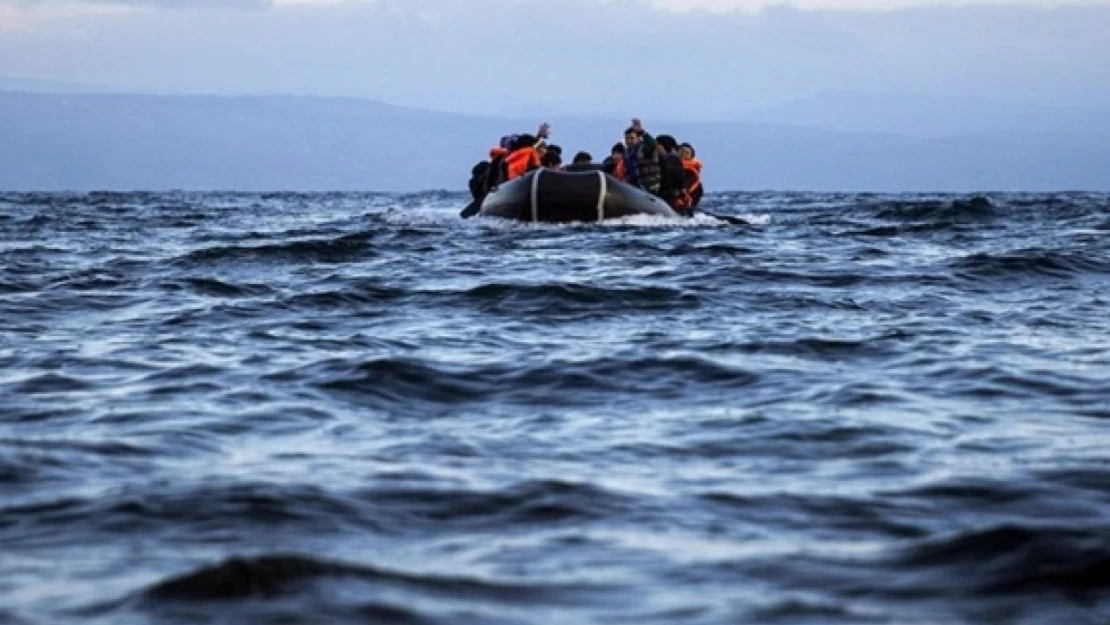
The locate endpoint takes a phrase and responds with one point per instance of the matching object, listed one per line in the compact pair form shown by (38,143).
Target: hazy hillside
(34,85)
(931,115)
(89,141)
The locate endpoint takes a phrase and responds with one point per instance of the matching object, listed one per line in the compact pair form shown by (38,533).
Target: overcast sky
(574,56)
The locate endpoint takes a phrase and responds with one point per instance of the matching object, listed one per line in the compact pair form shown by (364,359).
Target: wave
(543,299)
(850,416)
(189,512)
(923,229)
(1030,263)
(569,298)
(344,249)
(49,383)
(89,280)
(237,578)
(845,517)
(351,294)
(827,349)
(1072,560)
(1078,392)
(271,575)
(976,208)
(214,287)
(19,287)
(403,382)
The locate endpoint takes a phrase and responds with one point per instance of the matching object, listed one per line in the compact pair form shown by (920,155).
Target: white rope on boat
(602,191)
(536,196)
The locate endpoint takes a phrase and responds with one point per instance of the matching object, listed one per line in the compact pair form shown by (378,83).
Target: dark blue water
(236,408)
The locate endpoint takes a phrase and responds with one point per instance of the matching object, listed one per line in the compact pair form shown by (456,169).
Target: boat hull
(561,197)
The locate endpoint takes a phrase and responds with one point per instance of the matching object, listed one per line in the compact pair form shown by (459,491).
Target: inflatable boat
(550,196)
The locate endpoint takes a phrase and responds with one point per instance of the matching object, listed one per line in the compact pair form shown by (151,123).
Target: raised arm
(650,146)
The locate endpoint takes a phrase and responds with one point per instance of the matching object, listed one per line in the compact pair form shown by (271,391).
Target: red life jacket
(522,161)
(687,197)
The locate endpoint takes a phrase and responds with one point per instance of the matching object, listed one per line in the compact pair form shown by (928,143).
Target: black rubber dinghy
(561,197)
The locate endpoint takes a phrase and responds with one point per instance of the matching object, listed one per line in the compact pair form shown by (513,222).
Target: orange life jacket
(685,200)
(520,162)
(496,152)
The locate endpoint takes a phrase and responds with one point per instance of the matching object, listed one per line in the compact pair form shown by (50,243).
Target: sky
(26,14)
(709,59)
(923,94)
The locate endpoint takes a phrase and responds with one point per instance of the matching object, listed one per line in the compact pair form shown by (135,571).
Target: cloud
(672,6)
(157,4)
(721,6)
(519,56)
(718,6)
(9,18)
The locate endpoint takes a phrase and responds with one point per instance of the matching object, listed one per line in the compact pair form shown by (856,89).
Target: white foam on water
(756,219)
(438,211)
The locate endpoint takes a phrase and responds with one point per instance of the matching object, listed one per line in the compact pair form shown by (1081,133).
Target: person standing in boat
(640,166)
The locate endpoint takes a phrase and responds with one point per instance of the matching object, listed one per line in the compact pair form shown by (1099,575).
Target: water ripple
(358,408)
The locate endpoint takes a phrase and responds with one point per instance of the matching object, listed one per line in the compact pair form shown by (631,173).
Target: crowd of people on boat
(657,164)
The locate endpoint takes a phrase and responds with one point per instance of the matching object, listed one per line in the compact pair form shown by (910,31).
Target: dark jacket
(479,176)
(672,179)
(642,167)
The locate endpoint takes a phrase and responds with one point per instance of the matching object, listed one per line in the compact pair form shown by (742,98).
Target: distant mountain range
(930,115)
(86,140)
(36,85)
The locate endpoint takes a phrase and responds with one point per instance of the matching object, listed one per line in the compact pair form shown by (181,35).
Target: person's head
(524,141)
(667,142)
(617,152)
(583,158)
(555,148)
(687,151)
(507,141)
(551,160)
(633,136)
